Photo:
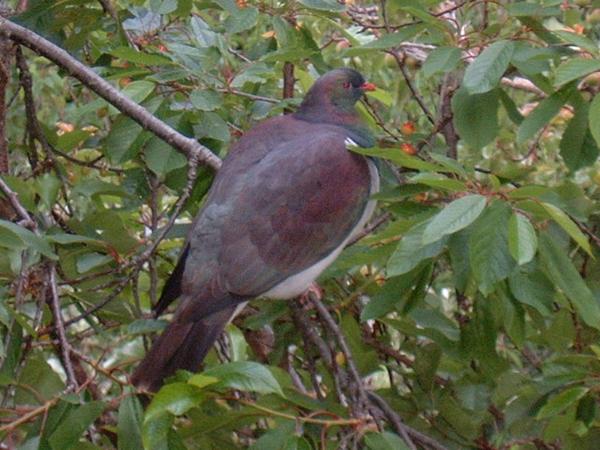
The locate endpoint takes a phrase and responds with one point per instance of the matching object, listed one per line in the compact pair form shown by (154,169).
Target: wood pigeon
(286,201)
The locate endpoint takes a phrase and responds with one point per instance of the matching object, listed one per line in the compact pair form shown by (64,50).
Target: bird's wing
(172,289)
(279,216)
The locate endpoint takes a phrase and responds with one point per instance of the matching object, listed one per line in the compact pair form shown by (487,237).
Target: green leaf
(245,376)
(577,147)
(476,116)
(9,238)
(594,118)
(511,108)
(155,431)
(206,100)
(119,144)
(69,141)
(281,437)
(440,60)
(488,247)
(578,40)
(30,239)
(163,7)
(175,399)
(126,137)
(387,41)
(212,126)
(323,5)
(418,11)
(575,68)
(484,73)
(129,423)
(565,222)
(76,422)
(542,114)
(412,250)
(452,165)
(439,181)
(427,361)
(131,55)
(562,401)
(533,289)
(243,19)
(392,296)
(91,261)
(457,215)
(90,187)
(560,269)
(399,157)
(522,239)
(161,158)
(138,91)
(200,380)
(48,186)
(66,239)
(384,441)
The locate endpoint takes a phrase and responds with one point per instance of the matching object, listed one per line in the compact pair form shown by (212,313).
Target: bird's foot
(313,291)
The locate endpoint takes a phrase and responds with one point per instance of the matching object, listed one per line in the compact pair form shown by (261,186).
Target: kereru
(288,198)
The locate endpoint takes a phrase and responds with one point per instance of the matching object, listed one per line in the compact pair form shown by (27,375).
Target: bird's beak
(368,87)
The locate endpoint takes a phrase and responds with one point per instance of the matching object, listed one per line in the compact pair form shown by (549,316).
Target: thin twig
(371,226)
(5,56)
(9,427)
(258,98)
(403,429)
(411,86)
(13,198)
(305,419)
(91,164)
(341,340)
(33,125)
(59,328)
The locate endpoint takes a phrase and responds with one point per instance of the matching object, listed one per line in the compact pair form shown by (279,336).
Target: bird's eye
(346,85)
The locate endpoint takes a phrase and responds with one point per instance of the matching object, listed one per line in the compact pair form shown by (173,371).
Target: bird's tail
(183,345)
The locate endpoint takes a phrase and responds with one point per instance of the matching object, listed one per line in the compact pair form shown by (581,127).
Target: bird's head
(340,88)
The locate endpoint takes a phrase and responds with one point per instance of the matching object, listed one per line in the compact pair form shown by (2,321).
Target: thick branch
(188,146)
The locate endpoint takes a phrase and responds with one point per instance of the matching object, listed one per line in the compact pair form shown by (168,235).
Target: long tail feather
(183,345)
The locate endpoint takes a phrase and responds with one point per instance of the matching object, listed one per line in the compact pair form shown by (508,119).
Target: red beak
(368,87)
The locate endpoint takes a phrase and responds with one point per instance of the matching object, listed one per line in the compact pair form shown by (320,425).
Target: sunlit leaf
(522,239)
(561,218)
(457,215)
(484,73)
(575,68)
(246,376)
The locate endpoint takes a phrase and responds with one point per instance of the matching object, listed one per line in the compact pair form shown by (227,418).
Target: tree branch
(13,198)
(59,328)
(5,57)
(188,146)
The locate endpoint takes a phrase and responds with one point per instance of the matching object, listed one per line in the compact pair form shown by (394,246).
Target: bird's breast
(297,284)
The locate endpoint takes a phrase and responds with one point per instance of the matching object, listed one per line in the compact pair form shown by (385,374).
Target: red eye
(346,85)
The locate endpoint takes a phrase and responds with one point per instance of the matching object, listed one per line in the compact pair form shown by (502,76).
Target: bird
(287,199)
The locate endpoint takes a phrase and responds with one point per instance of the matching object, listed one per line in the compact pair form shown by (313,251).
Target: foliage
(472,310)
